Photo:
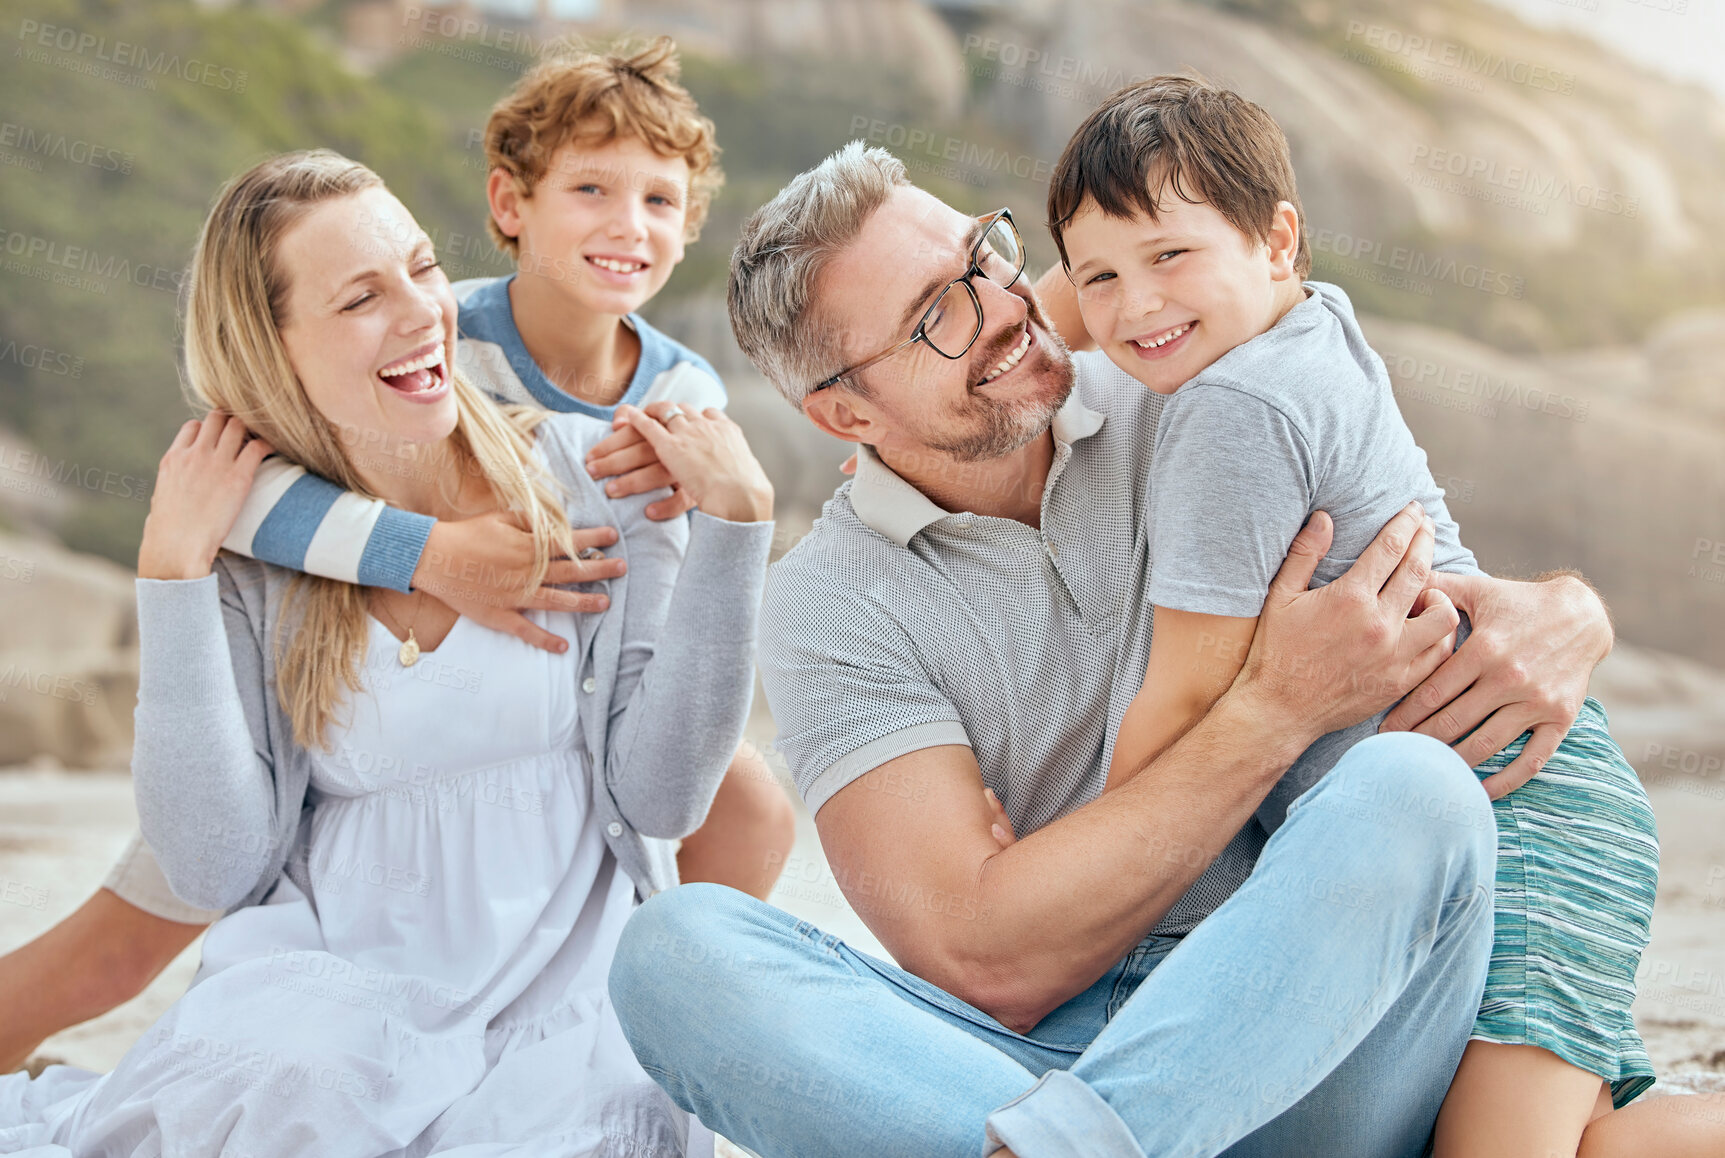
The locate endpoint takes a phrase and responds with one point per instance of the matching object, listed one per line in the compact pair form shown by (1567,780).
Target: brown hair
(1206,144)
(594,98)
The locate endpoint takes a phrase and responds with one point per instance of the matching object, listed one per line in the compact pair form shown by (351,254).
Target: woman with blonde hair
(427,835)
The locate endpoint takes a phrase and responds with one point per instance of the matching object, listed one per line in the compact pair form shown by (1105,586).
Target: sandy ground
(59,832)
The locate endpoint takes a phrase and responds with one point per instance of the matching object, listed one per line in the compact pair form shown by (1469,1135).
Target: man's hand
(478,567)
(1524,668)
(1326,658)
(1000,824)
(626,457)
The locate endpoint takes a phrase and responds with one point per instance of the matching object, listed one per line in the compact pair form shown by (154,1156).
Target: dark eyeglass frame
(972,269)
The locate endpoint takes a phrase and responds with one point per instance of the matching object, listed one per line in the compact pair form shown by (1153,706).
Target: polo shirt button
(962,524)
(589,685)
(614,829)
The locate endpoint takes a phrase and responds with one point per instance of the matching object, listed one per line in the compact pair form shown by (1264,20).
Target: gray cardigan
(221,784)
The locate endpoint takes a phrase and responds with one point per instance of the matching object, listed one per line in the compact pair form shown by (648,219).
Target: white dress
(429,977)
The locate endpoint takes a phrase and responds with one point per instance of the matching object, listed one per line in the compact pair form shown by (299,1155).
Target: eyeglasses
(952,324)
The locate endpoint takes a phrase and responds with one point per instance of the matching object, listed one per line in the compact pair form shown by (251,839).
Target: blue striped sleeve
(393,550)
(286,532)
(317,527)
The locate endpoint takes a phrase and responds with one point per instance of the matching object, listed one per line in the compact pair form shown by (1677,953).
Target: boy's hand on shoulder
(478,567)
(629,460)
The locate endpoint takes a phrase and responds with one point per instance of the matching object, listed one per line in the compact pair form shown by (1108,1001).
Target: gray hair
(785,245)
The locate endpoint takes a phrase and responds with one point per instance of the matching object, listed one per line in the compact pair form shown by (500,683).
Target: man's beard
(994,427)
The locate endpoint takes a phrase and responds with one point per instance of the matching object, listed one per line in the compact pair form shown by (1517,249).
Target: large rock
(68,656)
(1547,466)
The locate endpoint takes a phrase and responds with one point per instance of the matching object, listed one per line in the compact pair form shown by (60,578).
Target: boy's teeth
(1011,359)
(1152,343)
(617,266)
(424,362)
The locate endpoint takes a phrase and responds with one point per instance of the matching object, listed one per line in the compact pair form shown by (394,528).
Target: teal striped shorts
(1577,869)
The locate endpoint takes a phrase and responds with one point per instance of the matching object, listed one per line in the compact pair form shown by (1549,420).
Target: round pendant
(409,651)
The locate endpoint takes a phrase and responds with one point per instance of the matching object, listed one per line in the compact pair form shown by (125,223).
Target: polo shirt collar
(889,505)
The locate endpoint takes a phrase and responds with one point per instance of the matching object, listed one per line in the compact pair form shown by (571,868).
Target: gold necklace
(409,653)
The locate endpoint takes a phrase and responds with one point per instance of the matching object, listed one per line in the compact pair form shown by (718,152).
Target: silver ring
(675,412)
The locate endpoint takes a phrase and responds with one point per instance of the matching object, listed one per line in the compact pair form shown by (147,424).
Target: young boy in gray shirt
(1298,419)
(1276,407)
(1175,211)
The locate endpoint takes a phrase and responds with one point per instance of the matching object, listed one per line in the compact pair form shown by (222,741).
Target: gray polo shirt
(895,626)
(1299,419)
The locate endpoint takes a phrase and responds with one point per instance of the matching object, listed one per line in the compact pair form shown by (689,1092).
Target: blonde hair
(594,97)
(236,362)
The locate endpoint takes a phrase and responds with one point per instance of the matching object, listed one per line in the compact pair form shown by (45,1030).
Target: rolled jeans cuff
(1060,1117)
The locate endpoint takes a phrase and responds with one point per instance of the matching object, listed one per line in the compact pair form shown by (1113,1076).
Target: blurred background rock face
(1530,220)
(68,656)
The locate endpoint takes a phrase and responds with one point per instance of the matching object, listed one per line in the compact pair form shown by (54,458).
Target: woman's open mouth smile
(423,377)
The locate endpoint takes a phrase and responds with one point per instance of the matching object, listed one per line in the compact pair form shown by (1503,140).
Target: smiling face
(369,321)
(1166,297)
(999,395)
(606,224)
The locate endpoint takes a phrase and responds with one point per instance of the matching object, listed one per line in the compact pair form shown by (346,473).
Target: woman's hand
(628,459)
(707,458)
(200,487)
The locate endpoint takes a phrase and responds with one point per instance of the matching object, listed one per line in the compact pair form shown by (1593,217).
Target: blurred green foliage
(417,121)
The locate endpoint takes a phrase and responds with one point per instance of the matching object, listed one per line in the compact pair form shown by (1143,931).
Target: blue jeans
(1320,1011)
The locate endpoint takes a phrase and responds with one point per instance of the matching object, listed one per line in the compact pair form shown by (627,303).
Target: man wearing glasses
(1144,972)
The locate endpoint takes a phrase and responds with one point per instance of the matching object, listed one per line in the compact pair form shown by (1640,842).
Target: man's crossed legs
(1321,1011)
